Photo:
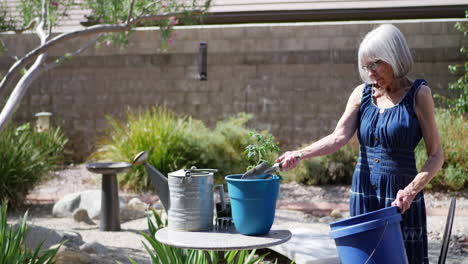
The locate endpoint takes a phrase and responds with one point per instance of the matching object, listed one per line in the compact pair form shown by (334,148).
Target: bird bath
(110,219)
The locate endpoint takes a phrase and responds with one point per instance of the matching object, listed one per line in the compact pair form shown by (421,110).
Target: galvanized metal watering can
(186,194)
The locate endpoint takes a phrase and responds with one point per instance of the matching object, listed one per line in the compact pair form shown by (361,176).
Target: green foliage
(6,22)
(336,168)
(12,249)
(164,254)
(25,157)
(453,129)
(156,129)
(110,12)
(117,11)
(176,142)
(263,150)
(56,9)
(223,148)
(459,102)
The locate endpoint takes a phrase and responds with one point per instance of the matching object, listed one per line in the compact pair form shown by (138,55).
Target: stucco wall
(295,78)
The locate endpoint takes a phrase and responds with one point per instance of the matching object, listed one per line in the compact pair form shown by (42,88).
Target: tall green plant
(12,249)
(156,129)
(25,157)
(164,254)
(262,150)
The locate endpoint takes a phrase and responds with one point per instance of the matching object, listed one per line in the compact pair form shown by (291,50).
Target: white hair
(388,44)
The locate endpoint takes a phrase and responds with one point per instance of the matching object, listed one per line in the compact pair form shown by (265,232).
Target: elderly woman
(391,114)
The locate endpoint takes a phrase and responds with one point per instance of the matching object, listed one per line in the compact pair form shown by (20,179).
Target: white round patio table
(219,240)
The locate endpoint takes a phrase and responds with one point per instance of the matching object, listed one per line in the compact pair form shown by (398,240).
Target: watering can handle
(188,173)
(204,170)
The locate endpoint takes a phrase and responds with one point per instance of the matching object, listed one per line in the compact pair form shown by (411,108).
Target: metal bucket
(191,200)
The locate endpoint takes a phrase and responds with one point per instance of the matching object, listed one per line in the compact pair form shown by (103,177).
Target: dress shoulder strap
(366,98)
(410,98)
(366,92)
(414,91)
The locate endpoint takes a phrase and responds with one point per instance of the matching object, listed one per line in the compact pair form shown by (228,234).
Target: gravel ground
(128,242)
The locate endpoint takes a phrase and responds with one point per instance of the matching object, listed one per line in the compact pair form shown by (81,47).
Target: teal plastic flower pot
(253,203)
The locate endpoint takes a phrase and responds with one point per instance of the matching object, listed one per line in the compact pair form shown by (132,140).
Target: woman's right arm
(343,132)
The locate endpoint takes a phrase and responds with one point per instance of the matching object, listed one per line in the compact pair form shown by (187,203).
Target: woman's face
(379,72)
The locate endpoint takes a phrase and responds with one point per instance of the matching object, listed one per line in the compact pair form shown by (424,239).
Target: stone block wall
(295,78)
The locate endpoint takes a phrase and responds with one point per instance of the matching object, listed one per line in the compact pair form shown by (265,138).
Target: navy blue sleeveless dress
(386,164)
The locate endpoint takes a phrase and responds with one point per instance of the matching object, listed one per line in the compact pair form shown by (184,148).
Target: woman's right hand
(290,160)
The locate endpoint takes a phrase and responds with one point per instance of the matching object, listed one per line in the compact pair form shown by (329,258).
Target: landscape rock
(89,200)
(94,248)
(65,206)
(137,204)
(38,234)
(127,214)
(336,213)
(73,239)
(67,255)
(135,209)
(81,215)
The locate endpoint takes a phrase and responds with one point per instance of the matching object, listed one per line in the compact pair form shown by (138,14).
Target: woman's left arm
(435,158)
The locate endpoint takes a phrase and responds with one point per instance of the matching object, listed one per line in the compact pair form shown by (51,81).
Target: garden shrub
(226,145)
(453,129)
(12,248)
(336,168)
(157,130)
(25,157)
(175,142)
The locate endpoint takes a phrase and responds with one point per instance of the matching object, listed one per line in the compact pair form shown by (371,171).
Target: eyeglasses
(371,66)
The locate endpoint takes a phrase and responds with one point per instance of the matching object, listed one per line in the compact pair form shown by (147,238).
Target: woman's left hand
(404,199)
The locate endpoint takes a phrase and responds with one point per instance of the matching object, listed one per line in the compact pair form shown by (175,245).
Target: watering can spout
(158,180)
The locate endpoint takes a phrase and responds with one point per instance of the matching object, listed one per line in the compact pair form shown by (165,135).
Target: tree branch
(147,7)
(20,90)
(43,24)
(58,61)
(96,29)
(44,13)
(130,12)
(30,56)
(31,25)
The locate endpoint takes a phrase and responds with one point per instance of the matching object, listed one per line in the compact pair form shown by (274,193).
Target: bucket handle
(378,243)
(221,196)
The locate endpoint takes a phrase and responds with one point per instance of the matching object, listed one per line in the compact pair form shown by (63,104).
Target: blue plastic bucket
(371,238)
(253,203)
